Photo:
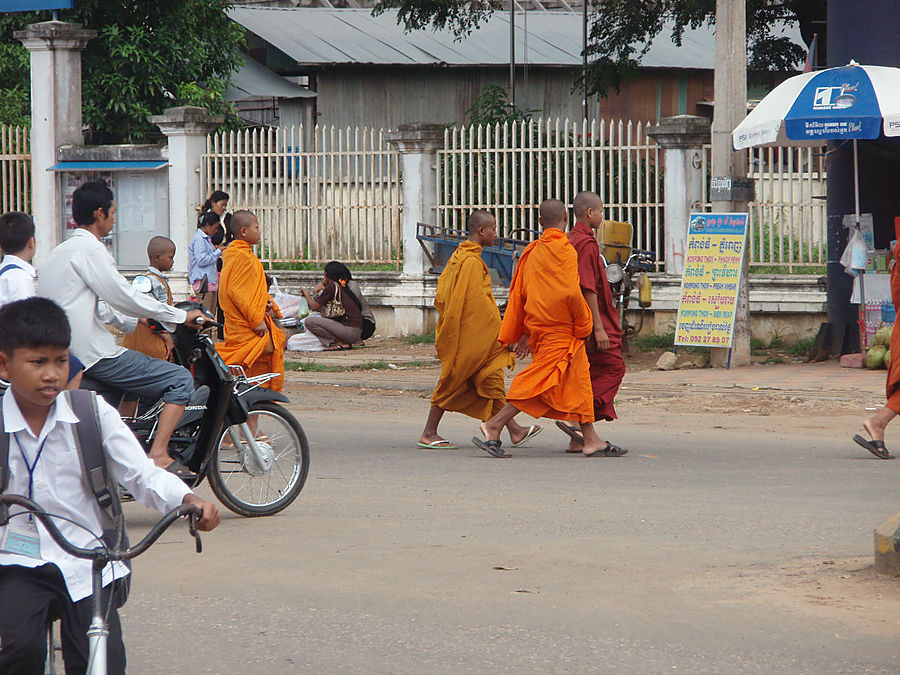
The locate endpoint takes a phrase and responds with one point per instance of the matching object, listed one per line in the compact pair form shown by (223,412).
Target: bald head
(161,253)
(479,218)
(239,220)
(553,214)
(584,201)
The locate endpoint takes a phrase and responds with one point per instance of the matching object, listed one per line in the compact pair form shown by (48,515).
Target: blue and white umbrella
(852,102)
(848,103)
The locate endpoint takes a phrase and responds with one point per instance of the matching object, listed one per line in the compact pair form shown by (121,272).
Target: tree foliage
(148,55)
(621,31)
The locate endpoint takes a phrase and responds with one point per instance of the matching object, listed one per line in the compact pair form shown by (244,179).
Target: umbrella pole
(863,333)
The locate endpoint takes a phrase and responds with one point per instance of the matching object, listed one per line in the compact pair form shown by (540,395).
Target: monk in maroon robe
(604,345)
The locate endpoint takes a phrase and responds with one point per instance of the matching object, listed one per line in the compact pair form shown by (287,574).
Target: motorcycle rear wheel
(262,494)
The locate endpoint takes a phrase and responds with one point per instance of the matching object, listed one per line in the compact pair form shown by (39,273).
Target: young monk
(252,338)
(604,345)
(876,425)
(161,255)
(547,314)
(472,361)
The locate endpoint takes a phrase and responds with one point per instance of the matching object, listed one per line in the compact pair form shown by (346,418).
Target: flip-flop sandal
(491,447)
(438,445)
(572,432)
(533,431)
(609,451)
(178,469)
(877,448)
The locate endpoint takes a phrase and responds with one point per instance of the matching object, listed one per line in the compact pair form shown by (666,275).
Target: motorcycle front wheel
(251,490)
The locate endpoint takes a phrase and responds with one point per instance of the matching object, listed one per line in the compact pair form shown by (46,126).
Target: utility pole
(512,52)
(584,57)
(730,108)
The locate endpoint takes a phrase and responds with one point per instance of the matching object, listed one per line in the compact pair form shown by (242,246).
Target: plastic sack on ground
(291,306)
(304,342)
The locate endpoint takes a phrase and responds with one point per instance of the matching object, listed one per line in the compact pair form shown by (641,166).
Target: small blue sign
(836,103)
(34,5)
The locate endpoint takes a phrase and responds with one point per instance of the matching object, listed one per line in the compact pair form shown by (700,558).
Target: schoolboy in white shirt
(45,466)
(17,242)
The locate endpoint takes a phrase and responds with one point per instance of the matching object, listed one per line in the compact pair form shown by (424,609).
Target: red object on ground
(853,361)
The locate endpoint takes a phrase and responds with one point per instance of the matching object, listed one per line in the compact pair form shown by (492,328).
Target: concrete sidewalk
(418,372)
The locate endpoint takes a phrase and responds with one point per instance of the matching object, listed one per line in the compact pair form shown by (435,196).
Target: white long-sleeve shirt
(17,282)
(81,276)
(60,488)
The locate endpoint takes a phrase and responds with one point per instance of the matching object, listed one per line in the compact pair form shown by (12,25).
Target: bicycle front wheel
(250,488)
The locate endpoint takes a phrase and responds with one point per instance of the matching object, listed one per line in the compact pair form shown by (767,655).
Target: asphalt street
(720,544)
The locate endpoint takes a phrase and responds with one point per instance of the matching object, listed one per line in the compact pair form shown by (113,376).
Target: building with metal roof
(368,71)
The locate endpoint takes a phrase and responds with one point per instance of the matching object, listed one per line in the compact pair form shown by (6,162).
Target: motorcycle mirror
(142,284)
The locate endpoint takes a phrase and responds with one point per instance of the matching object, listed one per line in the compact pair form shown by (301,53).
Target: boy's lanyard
(32,465)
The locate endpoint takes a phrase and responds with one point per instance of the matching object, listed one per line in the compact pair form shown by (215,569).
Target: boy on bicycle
(45,466)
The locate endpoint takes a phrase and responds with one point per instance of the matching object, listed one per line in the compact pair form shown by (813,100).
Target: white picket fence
(511,168)
(335,194)
(15,169)
(788,219)
(320,195)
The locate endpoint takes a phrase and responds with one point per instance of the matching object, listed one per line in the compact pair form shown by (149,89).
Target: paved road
(739,549)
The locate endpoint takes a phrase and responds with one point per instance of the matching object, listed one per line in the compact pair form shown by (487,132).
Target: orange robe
(545,302)
(893,374)
(243,296)
(472,360)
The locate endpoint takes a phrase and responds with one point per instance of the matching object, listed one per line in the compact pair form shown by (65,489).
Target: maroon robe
(607,366)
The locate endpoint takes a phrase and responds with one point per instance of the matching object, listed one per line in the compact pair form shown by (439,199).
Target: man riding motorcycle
(81,276)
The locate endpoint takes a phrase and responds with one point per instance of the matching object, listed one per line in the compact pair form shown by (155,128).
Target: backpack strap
(4,466)
(4,270)
(93,462)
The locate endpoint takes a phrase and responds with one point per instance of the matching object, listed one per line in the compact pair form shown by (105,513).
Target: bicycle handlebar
(103,554)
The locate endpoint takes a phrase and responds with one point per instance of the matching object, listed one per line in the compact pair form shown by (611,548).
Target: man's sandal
(609,451)
(491,447)
(877,448)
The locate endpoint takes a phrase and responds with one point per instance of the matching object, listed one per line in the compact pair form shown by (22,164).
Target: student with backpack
(17,275)
(40,433)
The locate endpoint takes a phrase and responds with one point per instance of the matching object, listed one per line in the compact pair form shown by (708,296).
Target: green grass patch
(314,367)
(647,343)
(423,339)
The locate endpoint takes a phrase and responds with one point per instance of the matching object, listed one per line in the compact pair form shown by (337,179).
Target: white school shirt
(60,488)
(16,283)
(81,276)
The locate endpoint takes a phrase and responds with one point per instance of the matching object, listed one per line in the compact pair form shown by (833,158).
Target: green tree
(148,55)
(621,30)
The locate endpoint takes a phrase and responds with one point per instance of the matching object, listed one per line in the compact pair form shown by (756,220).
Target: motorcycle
(626,270)
(233,432)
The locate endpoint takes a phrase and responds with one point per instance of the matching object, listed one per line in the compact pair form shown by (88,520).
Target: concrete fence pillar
(682,138)
(418,144)
(186,128)
(55,48)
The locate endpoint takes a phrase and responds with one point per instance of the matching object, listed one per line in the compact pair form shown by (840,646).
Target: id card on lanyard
(21,534)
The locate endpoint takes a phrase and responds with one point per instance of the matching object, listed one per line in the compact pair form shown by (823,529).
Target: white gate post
(418,144)
(681,138)
(55,48)
(186,128)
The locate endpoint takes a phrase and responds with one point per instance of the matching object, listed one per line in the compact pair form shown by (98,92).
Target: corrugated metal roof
(318,36)
(254,79)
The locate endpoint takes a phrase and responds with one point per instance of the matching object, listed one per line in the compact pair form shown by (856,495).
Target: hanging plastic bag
(291,306)
(855,254)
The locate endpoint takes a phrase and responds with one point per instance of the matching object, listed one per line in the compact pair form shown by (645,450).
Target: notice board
(712,276)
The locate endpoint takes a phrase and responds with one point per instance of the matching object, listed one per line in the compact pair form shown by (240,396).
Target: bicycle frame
(100,557)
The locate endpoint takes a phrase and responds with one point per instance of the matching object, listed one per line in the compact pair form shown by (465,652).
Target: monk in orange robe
(604,345)
(472,361)
(877,423)
(547,315)
(253,339)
